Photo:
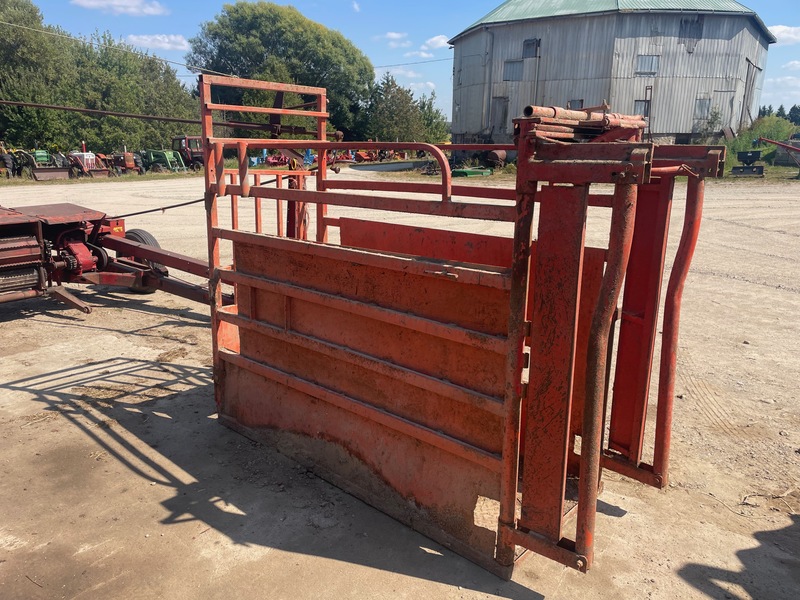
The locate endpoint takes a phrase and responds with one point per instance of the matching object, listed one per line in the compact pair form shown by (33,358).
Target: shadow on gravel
(771,570)
(158,420)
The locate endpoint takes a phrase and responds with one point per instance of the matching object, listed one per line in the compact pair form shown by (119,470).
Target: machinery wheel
(144,237)
(196,166)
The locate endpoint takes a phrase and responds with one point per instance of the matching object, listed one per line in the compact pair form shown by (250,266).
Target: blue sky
(405,37)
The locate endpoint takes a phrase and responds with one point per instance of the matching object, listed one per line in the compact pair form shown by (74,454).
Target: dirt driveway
(117,482)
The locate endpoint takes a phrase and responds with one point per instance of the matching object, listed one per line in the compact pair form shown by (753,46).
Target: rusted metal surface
(43,246)
(672,309)
(393,363)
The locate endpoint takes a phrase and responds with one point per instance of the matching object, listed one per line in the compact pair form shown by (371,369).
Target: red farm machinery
(42,247)
(473,386)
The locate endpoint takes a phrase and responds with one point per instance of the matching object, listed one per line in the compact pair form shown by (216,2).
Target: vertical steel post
(619,248)
(520,269)
(669,343)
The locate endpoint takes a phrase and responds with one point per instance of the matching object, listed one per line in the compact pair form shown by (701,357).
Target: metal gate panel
(393,364)
(424,241)
(556,297)
(352,349)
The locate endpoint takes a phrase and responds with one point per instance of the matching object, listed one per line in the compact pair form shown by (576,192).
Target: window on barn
(575,104)
(647,64)
(641,107)
(530,48)
(499,115)
(702,108)
(512,70)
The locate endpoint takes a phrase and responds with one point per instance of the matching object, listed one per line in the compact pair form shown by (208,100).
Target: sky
(407,38)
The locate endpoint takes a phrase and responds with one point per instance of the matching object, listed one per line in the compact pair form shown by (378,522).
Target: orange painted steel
(446,377)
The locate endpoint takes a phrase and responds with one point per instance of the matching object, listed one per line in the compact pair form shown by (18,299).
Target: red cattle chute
(393,362)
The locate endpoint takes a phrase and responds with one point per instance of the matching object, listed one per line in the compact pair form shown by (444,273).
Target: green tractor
(162,161)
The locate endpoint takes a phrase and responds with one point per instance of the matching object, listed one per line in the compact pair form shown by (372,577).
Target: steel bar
(669,340)
(482,275)
(562,552)
(554,330)
(517,331)
(619,247)
(489,212)
(127,247)
(22,295)
(454,333)
(449,444)
(431,384)
(639,318)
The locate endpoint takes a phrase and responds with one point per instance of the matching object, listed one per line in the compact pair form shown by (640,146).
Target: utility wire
(419,62)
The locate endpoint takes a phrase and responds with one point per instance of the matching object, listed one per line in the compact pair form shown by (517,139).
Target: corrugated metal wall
(596,58)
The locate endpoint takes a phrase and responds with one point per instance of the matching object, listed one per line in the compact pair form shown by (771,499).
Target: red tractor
(190,147)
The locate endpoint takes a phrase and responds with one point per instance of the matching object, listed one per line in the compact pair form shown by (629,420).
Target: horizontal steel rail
(423,381)
(456,447)
(485,276)
(453,333)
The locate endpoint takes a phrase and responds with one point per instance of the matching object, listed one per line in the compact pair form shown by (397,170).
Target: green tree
(794,114)
(32,69)
(99,73)
(393,113)
(270,42)
(434,121)
(781,112)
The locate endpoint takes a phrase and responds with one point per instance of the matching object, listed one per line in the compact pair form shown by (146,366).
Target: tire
(144,237)
(197,166)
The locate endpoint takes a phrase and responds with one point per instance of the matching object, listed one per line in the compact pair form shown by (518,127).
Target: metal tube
(520,271)
(669,339)
(619,248)
(12,296)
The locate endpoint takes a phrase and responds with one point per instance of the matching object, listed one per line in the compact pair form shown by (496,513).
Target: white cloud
(398,72)
(793,65)
(356,7)
(781,90)
(135,8)
(426,86)
(395,39)
(434,43)
(786,35)
(159,42)
(418,54)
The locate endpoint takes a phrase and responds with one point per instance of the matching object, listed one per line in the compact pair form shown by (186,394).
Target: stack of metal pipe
(562,124)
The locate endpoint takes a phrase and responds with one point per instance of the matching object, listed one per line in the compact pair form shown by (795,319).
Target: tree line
(793,116)
(256,40)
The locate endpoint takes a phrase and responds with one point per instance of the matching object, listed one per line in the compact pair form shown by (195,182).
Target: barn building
(688,65)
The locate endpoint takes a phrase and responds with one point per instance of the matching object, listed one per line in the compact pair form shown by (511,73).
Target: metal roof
(523,10)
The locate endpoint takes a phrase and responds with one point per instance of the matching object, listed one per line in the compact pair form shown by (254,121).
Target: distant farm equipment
(792,151)
(748,168)
(39,165)
(162,161)
(190,148)
(88,164)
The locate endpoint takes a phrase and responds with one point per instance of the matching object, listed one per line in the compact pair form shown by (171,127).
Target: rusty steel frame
(393,364)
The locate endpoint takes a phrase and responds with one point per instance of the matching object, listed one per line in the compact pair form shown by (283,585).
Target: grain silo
(688,65)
